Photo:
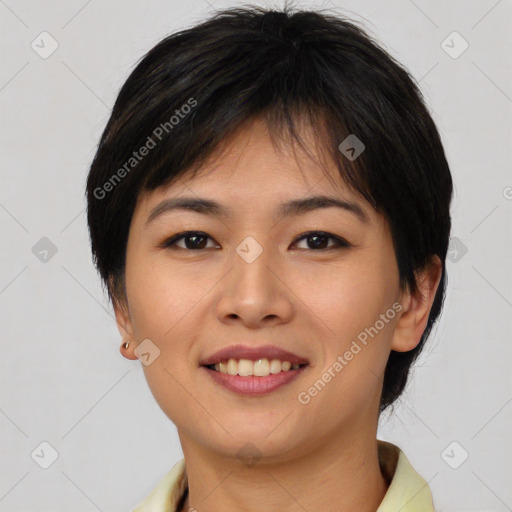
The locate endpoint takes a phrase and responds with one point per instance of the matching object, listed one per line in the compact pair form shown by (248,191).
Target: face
(315,282)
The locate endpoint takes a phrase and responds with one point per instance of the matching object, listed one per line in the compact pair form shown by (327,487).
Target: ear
(416,307)
(124,324)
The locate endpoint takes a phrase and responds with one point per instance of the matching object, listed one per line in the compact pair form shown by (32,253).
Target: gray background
(63,380)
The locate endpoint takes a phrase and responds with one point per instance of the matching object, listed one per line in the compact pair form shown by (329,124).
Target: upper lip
(253,353)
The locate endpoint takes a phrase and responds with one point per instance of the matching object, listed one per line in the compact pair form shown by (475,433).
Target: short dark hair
(196,87)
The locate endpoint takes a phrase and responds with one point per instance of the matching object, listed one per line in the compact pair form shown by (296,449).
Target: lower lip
(254,385)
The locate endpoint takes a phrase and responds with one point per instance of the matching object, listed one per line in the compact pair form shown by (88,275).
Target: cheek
(161,297)
(163,303)
(356,338)
(351,296)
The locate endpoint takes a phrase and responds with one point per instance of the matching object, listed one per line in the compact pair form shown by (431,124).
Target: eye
(194,240)
(197,240)
(319,238)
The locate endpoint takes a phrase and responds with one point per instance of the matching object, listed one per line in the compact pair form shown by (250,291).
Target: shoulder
(168,492)
(408,491)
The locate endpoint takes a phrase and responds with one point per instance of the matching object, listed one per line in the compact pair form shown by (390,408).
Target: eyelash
(340,243)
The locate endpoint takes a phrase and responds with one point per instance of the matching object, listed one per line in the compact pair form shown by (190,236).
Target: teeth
(259,368)
(245,368)
(232,367)
(275,366)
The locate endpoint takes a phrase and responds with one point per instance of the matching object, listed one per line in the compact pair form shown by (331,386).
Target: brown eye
(198,240)
(193,240)
(318,240)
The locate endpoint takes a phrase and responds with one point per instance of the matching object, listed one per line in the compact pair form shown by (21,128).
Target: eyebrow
(292,207)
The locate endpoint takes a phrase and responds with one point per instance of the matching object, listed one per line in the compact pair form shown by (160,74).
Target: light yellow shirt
(407,491)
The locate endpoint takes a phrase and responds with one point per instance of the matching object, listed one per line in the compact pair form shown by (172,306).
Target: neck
(341,476)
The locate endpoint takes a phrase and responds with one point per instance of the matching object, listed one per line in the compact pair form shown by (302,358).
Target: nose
(256,293)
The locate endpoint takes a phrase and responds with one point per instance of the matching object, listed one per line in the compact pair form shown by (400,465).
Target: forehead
(253,171)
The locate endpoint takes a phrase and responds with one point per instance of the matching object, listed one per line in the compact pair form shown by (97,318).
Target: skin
(313,302)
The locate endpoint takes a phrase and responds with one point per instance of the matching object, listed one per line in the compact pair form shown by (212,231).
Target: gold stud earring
(125,345)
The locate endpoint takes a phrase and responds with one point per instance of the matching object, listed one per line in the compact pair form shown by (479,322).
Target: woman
(269,209)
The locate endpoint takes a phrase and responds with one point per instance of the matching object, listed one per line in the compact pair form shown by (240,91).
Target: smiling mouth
(259,368)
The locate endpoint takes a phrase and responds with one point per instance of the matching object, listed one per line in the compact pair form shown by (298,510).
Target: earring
(125,345)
